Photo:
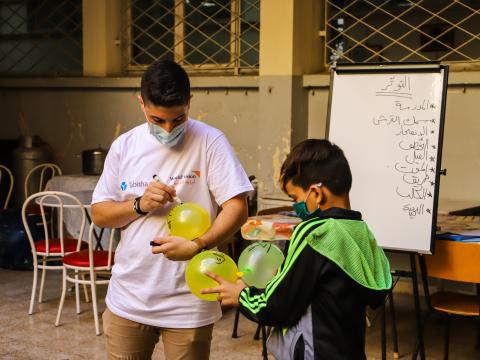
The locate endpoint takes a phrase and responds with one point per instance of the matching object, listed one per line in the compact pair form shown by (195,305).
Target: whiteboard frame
(400,68)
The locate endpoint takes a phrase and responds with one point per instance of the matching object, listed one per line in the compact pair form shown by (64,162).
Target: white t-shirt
(148,288)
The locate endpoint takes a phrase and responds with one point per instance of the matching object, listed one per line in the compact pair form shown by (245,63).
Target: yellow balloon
(213,261)
(188,220)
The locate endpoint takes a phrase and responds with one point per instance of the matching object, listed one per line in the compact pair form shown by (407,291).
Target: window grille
(42,37)
(208,35)
(403,30)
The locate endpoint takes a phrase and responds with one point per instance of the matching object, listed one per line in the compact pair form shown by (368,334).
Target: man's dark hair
(313,161)
(165,83)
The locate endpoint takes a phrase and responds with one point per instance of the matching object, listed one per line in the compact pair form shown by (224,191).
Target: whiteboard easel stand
(419,345)
(403,68)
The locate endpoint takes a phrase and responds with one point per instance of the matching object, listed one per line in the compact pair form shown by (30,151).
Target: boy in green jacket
(333,269)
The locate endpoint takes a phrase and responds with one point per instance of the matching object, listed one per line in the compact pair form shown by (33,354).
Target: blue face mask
(301,208)
(169,139)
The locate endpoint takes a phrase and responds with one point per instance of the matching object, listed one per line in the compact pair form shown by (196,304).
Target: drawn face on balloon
(220,258)
(214,262)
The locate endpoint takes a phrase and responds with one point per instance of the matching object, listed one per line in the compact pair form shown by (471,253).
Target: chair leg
(77,292)
(235,324)
(34,288)
(384,331)
(264,343)
(416,349)
(42,281)
(62,298)
(447,337)
(394,327)
(367,320)
(477,345)
(85,290)
(93,286)
(257,332)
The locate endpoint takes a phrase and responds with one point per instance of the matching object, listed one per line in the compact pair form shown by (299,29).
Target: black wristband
(136,206)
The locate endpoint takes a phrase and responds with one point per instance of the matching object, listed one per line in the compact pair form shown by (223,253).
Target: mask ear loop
(319,185)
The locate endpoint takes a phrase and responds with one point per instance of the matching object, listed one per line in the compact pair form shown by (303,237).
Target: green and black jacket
(332,271)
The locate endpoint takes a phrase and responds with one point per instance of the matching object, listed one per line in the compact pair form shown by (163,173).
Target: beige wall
(461,145)
(73,119)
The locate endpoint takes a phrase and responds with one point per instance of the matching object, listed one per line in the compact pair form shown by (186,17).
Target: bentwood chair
(90,263)
(7,174)
(36,181)
(48,251)
(454,261)
(38,176)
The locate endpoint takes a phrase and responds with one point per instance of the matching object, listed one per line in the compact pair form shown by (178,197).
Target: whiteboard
(389,122)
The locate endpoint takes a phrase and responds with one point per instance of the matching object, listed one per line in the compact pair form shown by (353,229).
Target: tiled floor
(35,337)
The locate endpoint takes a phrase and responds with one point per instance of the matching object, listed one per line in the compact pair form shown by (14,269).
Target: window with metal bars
(41,37)
(402,30)
(208,35)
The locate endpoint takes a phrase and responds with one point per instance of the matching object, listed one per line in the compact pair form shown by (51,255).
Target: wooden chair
(454,261)
(5,172)
(91,263)
(49,248)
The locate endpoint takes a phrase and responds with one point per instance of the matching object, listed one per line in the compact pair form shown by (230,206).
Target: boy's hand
(175,247)
(228,292)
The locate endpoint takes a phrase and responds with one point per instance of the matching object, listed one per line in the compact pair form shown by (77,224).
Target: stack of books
(465,228)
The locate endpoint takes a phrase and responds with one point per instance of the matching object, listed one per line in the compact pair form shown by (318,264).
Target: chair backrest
(7,174)
(91,247)
(454,260)
(58,200)
(275,210)
(46,170)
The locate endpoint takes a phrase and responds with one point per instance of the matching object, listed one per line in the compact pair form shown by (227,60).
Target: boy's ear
(319,194)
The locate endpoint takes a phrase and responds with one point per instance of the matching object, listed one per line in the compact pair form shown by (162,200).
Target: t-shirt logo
(187,178)
(123,185)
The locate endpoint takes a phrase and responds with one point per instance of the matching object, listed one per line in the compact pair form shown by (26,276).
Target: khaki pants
(128,339)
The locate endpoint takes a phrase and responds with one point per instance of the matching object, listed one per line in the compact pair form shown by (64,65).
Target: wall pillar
(289,48)
(101,37)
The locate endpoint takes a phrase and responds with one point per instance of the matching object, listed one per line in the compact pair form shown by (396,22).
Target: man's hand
(156,195)
(175,248)
(228,292)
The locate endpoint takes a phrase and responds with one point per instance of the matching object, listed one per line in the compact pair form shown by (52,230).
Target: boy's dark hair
(165,83)
(313,161)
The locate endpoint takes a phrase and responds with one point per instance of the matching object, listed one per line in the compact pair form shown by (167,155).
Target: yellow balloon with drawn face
(213,261)
(188,220)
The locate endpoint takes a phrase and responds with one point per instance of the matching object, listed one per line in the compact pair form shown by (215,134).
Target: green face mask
(301,208)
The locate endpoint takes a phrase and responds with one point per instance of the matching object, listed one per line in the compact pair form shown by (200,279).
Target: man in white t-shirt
(147,295)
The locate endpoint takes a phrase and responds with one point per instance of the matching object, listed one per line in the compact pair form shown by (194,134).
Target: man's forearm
(113,214)
(229,220)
